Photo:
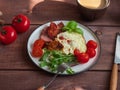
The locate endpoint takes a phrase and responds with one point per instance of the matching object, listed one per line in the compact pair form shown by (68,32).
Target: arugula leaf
(43,63)
(52,59)
(70,71)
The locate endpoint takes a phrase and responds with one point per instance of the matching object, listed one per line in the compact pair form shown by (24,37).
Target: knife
(114,74)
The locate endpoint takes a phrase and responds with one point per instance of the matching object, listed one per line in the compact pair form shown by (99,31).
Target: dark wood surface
(17,72)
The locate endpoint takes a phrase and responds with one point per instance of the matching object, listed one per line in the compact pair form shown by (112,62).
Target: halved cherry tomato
(91,52)
(37,48)
(91,44)
(39,43)
(83,57)
(37,52)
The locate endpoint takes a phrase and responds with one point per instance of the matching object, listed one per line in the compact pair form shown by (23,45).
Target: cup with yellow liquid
(92,9)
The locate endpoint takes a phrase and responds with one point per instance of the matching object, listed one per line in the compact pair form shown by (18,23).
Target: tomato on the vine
(91,44)
(21,23)
(7,35)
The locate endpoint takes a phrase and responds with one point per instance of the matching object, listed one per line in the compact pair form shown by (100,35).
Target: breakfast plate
(78,68)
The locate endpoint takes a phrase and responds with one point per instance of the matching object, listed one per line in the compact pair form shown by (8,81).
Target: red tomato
(37,52)
(83,57)
(76,52)
(91,44)
(7,35)
(21,23)
(39,43)
(91,52)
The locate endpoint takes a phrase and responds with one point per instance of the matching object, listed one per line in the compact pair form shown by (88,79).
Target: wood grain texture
(31,80)
(114,77)
(48,10)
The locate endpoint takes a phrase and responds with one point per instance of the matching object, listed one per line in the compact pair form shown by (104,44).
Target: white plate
(88,34)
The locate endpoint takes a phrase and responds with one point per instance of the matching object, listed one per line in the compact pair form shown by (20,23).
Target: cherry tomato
(91,52)
(21,23)
(39,43)
(91,44)
(83,57)
(7,35)
(37,52)
(76,52)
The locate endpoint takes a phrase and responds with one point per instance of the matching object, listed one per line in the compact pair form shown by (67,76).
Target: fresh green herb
(52,59)
(78,30)
(70,71)
(72,27)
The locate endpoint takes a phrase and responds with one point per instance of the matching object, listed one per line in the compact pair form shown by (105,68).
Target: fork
(61,68)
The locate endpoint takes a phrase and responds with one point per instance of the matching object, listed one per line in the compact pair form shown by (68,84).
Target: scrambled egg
(72,41)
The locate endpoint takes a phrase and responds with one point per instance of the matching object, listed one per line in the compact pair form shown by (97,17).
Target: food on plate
(91,52)
(52,30)
(7,35)
(37,48)
(72,27)
(54,45)
(21,23)
(37,52)
(52,59)
(92,44)
(39,43)
(83,57)
(49,33)
(71,41)
(59,43)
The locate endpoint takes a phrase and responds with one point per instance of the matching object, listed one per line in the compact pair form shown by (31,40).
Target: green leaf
(78,30)
(72,25)
(43,64)
(45,56)
(65,28)
(52,59)
(70,71)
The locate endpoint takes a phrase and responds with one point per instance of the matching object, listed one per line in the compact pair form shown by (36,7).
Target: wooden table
(17,72)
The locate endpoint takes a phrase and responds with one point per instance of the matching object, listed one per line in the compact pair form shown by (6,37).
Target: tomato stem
(3,32)
(19,20)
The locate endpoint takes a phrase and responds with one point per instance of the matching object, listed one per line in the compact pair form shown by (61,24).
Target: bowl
(92,9)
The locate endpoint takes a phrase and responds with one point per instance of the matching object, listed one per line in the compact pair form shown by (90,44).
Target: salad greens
(72,27)
(52,59)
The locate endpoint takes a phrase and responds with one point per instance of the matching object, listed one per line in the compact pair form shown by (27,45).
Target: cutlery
(114,74)
(61,68)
